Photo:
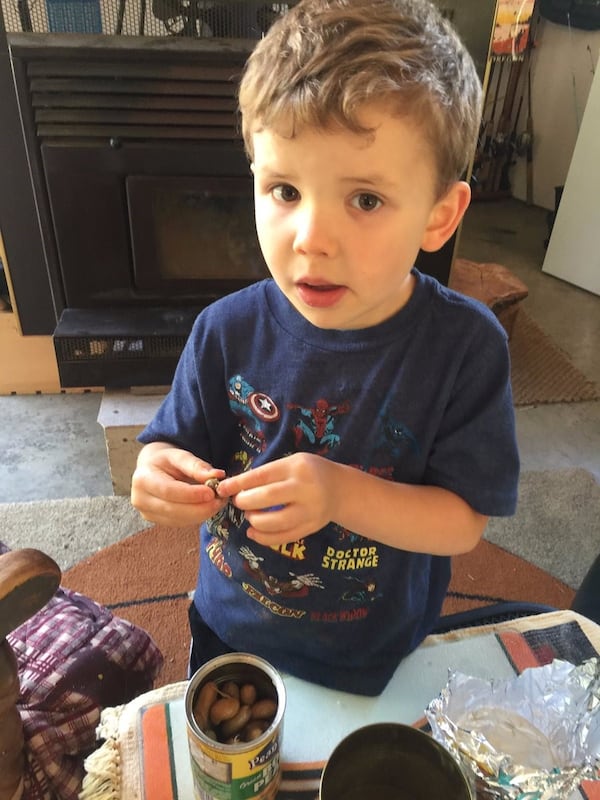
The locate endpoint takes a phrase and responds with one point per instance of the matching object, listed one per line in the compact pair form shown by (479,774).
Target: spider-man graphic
(316,424)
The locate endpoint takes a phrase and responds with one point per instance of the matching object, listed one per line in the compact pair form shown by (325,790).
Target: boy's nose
(315,232)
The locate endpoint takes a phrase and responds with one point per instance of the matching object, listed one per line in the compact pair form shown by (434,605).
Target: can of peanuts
(234,707)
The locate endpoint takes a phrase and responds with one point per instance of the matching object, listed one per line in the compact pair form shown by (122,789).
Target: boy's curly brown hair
(322,61)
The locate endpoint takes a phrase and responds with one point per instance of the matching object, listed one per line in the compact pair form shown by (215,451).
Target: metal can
(244,770)
(392,761)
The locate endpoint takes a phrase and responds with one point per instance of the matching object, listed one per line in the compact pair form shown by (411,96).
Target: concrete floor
(52,446)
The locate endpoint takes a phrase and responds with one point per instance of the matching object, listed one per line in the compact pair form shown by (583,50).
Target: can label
(245,776)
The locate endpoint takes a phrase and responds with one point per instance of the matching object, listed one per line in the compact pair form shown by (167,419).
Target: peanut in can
(244,770)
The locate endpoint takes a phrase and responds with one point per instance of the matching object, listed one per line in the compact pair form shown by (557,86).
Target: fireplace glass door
(191,230)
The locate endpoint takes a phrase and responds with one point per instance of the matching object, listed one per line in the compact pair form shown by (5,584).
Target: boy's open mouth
(320,295)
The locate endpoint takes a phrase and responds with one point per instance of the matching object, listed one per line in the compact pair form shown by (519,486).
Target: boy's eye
(285,192)
(366,201)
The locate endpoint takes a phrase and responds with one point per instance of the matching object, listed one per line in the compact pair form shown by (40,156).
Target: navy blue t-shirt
(422,398)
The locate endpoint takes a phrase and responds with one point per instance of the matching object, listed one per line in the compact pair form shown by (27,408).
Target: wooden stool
(28,579)
(492,284)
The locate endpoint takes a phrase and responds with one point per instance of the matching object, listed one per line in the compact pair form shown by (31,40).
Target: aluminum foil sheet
(533,737)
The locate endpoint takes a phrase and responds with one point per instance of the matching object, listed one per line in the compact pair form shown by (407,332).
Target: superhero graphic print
(334,566)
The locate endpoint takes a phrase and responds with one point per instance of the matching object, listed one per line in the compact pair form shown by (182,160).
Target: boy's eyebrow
(273,172)
(365,180)
(273,175)
(372,180)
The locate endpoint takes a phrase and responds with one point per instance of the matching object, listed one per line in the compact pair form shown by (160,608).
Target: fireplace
(144,188)
(143,193)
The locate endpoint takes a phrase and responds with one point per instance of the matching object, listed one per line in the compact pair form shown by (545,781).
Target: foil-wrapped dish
(533,737)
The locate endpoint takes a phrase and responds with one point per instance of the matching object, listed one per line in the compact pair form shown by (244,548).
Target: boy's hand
(285,500)
(168,488)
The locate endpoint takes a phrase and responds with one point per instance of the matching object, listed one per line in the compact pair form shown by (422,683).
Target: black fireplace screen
(230,19)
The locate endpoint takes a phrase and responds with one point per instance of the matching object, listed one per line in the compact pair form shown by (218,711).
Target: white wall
(562,73)
(574,249)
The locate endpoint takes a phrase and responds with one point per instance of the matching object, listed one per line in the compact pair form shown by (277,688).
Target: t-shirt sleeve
(475,451)
(180,419)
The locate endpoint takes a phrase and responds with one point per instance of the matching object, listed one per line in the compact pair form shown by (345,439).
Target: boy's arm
(296,496)
(426,519)
(168,486)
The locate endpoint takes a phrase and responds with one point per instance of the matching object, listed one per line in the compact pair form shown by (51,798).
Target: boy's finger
(193,467)
(179,492)
(252,479)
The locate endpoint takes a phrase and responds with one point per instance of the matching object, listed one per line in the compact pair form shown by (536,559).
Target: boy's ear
(445,216)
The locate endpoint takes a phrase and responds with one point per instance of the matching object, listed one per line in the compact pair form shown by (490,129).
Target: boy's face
(341,216)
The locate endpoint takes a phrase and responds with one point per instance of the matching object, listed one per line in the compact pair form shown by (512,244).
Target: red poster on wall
(512,28)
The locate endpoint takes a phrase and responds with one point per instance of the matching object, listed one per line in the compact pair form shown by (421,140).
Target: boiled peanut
(213,483)
(231,689)
(248,694)
(224,708)
(254,729)
(203,702)
(264,709)
(233,726)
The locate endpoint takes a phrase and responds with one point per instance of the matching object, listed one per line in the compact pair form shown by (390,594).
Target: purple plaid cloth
(75,658)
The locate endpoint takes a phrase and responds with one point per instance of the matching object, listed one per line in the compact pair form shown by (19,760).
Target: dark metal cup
(390,761)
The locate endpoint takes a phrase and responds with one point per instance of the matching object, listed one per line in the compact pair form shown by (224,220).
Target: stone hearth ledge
(123,414)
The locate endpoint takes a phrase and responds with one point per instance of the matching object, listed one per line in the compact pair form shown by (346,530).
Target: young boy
(357,415)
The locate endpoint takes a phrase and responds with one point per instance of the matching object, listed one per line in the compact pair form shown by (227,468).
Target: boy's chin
(329,320)
(325,319)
